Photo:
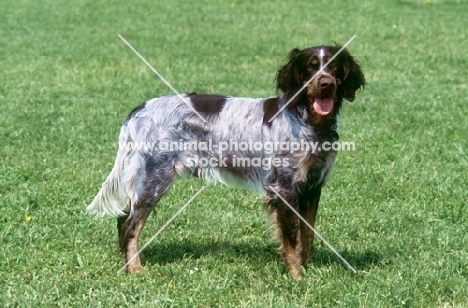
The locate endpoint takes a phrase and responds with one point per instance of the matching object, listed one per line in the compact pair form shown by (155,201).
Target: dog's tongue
(323,106)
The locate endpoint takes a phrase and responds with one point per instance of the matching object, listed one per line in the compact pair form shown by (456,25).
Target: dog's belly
(229,178)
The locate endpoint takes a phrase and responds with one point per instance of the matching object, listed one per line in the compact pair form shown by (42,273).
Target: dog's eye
(313,63)
(332,65)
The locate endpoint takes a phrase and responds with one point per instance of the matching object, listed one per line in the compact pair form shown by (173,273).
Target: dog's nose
(326,82)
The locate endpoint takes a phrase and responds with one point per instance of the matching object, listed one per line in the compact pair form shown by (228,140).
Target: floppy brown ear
(353,78)
(288,77)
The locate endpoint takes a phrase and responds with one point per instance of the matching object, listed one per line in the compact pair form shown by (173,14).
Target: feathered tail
(113,198)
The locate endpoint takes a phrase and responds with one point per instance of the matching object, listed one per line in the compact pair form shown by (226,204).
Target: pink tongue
(323,106)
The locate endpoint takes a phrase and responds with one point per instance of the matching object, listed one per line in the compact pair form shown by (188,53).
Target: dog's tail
(113,198)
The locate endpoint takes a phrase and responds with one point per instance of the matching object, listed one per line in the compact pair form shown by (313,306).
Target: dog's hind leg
(129,227)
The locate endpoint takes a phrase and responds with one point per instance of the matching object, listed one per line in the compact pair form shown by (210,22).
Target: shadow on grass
(255,252)
(359,260)
(163,253)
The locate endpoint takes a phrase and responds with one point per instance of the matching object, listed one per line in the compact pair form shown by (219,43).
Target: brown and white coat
(144,171)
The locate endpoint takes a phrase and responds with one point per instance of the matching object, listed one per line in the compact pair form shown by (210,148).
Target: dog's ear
(288,77)
(353,77)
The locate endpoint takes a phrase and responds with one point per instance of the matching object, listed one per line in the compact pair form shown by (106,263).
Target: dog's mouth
(322,106)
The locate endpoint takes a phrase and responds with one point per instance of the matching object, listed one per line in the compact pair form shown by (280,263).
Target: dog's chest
(314,169)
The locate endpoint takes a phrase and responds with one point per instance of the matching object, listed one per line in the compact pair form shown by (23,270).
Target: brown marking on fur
(132,248)
(129,233)
(322,87)
(316,90)
(295,236)
(308,210)
(288,232)
(130,226)
(344,70)
(207,103)
(292,257)
(290,248)
(270,108)
(308,163)
(304,164)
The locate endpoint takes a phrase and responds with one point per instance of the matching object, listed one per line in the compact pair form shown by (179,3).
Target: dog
(202,134)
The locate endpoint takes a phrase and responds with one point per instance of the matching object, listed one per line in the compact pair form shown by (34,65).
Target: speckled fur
(142,174)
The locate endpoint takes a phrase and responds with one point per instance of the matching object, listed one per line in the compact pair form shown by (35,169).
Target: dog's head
(323,96)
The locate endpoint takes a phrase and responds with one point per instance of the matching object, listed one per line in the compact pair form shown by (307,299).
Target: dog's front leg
(288,229)
(290,237)
(308,206)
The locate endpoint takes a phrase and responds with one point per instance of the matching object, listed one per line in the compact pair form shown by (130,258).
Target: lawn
(395,208)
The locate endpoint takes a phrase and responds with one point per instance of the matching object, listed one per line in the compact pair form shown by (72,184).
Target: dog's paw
(135,269)
(296,273)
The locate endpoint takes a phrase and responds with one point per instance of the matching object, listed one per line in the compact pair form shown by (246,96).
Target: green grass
(395,208)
